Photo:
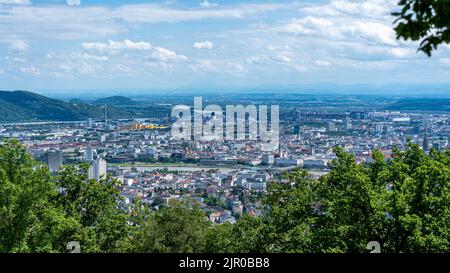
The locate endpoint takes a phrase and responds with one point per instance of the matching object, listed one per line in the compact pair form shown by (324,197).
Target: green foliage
(215,202)
(245,236)
(291,217)
(25,189)
(36,217)
(425,20)
(95,204)
(180,227)
(403,203)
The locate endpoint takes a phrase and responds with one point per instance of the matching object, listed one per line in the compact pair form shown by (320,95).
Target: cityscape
(225,177)
(224,135)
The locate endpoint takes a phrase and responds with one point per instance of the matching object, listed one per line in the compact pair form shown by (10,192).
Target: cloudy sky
(202,44)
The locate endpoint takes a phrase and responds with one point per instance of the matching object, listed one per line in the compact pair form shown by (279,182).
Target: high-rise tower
(425,143)
(54,160)
(106,115)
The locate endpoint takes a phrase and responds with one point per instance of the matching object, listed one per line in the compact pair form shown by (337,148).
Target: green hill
(115,101)
(19,106)
(421,104)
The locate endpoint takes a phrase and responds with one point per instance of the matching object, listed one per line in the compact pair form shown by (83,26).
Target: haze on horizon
(62,46)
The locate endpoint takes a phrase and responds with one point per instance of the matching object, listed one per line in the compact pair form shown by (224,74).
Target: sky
(78,45)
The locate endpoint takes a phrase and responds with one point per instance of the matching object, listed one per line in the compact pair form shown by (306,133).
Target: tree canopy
(424,20)
(401,202)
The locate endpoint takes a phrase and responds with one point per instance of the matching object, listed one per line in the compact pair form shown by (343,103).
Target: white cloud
(366,65)
(400,52)
(164,55)
(275,56)
(31,70)
(19,45)
(87,69)
(16,2)
(366,21)
(318,22)
(445,46)
(14,60)
(339,38)
(57,75)
(85,56)
(117,46)
(444,61)
(260,60)
(203,45)
(350,28)
(19,60)
(72,68)
(379,32)
(157,53)
(66,68)
(218,66)
(322,63)
(148,13)
(63,22)
(123,68)
(283,56)
(51,55)
(377,8)
(207,4)
(360,8)
(73,2)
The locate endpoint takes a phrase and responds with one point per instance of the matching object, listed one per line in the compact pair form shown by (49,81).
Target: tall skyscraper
(106,116)
(54,160)
(89,153)
(331,127)
(425,143)
(97,169)
(89,123)
(348,124)
(378,127)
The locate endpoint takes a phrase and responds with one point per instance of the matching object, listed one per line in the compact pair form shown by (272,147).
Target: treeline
(403,203)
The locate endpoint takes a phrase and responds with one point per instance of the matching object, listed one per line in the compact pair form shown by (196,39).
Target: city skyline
(63,46)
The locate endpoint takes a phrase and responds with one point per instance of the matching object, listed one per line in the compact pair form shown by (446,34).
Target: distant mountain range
(24,106)
(20,106)
(421,104)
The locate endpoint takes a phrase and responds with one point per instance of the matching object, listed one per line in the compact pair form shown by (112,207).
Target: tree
(28,220)
(425,20)
(96,205)
(351,205)
(180,227)
(401,203)
(245,236)
(419,202)
(290,219)
(42,213)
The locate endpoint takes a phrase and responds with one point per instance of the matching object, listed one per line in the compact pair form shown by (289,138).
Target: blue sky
(198,44)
